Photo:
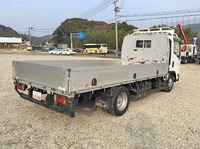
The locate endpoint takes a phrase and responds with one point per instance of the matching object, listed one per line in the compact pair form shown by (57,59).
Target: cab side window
(143,44)
(147,44)
(139,44)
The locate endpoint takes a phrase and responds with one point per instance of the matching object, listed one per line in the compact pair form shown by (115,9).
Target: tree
(95,32)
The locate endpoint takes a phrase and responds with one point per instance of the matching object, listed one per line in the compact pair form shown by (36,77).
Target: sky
(46,15)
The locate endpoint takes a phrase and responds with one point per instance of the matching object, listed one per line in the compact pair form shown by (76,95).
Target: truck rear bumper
(58,108)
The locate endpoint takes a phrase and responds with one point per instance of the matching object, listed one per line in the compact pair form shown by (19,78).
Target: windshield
(91,46)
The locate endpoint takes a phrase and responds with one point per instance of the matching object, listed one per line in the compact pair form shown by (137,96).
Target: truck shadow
(84,107)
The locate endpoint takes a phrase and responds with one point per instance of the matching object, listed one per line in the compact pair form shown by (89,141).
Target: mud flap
(103,101)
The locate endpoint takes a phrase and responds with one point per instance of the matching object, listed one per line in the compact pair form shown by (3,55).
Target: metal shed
(10,43)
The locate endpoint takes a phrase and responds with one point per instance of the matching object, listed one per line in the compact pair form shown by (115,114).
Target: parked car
(68,52)
(77,50)
(53,51)
(59,51)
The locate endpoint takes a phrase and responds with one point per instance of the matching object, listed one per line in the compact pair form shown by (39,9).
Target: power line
(45,29)
(23,32)
(42,31)
(93,9)
(157,18)
(162,13)
(167,13)
(110,20)
(97,9)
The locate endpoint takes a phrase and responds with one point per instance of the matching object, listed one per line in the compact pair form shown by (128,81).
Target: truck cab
(153,45)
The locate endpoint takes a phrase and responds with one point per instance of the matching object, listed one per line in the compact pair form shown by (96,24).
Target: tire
(194,60)
(169,84)
(184,61)
(120,101)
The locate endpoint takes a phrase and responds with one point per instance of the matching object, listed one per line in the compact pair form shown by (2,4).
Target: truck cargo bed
(77,76)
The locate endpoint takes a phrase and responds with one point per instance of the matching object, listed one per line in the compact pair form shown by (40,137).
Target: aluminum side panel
(110,75)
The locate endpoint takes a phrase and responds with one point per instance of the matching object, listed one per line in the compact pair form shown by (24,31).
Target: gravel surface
(161,120)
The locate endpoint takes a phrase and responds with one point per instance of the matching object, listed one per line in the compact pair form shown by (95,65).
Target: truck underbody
(102,97)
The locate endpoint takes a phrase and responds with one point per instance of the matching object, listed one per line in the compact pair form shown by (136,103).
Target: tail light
(61,99)
(21,86)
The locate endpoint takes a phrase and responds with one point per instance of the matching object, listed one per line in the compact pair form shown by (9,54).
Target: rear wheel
(120,101)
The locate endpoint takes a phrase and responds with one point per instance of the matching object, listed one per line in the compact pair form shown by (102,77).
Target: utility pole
(116,29)
(29,30)
(71,36)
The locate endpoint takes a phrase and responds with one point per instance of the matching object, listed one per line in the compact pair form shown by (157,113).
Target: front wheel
(169,84)
(120,101)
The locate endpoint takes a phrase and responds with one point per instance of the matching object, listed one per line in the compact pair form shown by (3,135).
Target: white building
(10,43)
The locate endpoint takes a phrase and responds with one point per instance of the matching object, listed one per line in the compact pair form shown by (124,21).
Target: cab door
(175,60)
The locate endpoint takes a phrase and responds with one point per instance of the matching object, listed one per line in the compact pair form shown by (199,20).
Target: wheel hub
(122,101)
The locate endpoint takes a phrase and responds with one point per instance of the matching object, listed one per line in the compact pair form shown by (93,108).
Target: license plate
(37,95)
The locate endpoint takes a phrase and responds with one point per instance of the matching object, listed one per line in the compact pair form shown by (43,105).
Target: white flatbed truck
(150,62)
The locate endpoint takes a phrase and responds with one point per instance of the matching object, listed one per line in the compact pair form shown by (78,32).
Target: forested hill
(7,32)
(95,32)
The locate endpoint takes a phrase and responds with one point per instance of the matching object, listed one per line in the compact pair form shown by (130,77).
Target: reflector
(64,101)
(19,86)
